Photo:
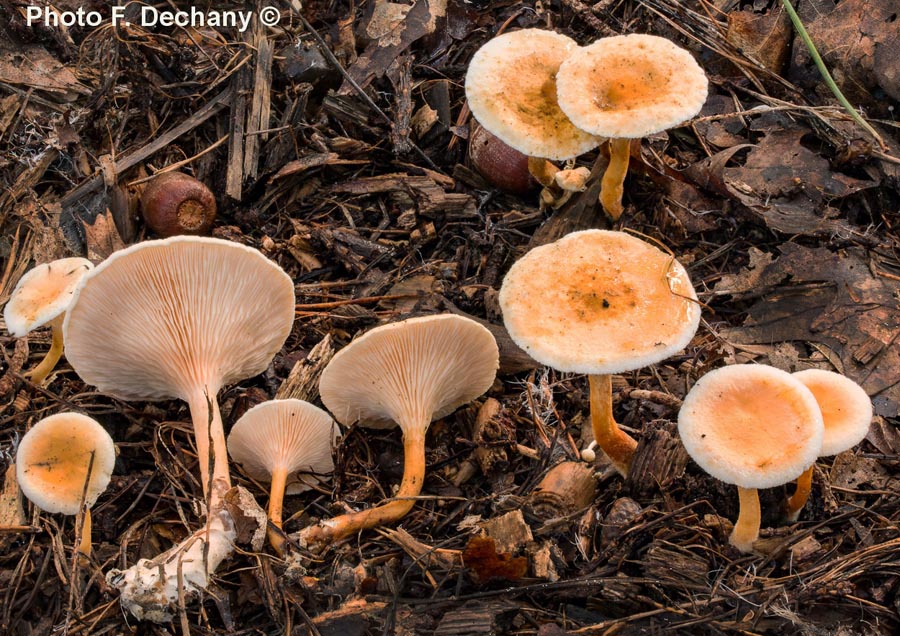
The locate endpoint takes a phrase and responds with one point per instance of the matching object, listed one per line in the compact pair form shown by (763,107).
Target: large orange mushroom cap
(753,426)
(599,302)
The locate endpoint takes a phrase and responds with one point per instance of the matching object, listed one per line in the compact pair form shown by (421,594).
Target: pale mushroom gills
(404,374)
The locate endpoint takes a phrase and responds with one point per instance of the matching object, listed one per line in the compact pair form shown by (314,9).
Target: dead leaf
(853,472)
(832,298)
(790,186)
(859,40)
(763,37)
(417,22)
(32,66)
(102,238)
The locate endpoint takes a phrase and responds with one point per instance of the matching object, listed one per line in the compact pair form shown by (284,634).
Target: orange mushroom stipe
(404,374)
(276,441)
(627,87)
(846,413)
(64,462)
(753,426)
(41,297)
(600,303)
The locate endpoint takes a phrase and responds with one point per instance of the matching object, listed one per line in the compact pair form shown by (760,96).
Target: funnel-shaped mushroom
(404,374)
(64,461)
(511,90)
(753,426)
(180,318)
(626,87)
(600,302)
(847,414)
(275,441)
(42,297)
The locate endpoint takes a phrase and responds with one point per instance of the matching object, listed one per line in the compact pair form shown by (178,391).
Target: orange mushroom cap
(630,86)
(53,458)
(753,426)
(43,293)
(846,408)
(599,302)
(511,90)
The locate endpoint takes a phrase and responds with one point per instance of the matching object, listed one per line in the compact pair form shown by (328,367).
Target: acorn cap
(53,459)
(410,372)
(630,86)
(599,302)
(43,293)
(511,91)
(161,318)
(754,426)
(290,434)
(846,409)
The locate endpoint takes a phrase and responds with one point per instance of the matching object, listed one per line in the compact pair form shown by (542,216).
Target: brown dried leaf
(762,37)
(102,238)
(815,295)
(789,185)
(859,40)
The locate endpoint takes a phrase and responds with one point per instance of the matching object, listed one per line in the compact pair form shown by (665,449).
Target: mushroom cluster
(541,94)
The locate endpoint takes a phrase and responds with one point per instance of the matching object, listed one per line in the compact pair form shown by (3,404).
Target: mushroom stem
(542,170)
(276,499)
(208,428)
(796,501)
(612,186)
(84,546)
(616,444)
(413,477)
(43,369)
(746,528)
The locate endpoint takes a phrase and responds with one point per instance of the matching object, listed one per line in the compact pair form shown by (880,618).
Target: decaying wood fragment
(302,382)
(566,488)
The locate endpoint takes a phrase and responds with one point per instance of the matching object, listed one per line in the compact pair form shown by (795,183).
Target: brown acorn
(175,203)
(502,166)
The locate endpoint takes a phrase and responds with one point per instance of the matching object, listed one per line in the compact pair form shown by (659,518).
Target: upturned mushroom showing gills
(404,374)
(63,462)
(42,297)
(180,318)
(846,413)
(626,87)
(600,302)
(278,441)
(753,426)
(511,91)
